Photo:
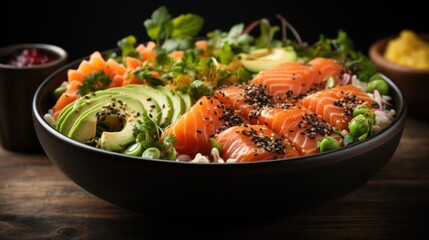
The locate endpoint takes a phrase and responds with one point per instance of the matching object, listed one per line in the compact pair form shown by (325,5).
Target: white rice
(383,118)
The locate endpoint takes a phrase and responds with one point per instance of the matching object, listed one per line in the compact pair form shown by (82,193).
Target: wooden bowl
(414,83)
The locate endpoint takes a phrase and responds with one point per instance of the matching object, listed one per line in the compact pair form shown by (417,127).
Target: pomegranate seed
(30,57)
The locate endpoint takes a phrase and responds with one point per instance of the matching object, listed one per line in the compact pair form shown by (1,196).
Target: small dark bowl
(413,82)
(17,88)
(237,192)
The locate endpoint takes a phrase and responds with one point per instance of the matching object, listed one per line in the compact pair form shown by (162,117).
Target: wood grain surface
(38,202)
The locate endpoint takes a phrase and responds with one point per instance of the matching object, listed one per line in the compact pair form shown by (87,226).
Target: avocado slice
(187,99)
(73,111)
(85,126)
(263,59)
(163,101)
(151,106)
(122,113)
(179,106)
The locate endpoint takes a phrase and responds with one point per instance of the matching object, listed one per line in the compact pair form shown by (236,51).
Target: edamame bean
(152,153)
(365,111)
(378,84)
(56,94)
(359,126)
(375,77)
(328,144)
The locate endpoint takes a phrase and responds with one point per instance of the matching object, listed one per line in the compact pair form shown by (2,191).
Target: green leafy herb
(267,34)
(159,26)
(186,26)
(173,34)
(145,74)
(349,139)
(197,89)
(148,131)
(235,37)
(225,54)
(215,144)
(177,44)
(170,140)
(148,135)
(93,82)
(127,46)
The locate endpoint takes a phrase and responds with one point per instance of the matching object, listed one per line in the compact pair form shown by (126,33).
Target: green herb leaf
(145,74)
(163,59)
(127,46)
(170,140)
(94,82)
(225,54)
(198,89)
(349,139)
(215,144)
(159,25)
(187,26)
(267,34)
(235,31)
(177,44)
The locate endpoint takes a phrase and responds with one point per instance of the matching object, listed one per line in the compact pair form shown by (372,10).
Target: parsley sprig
(94,82)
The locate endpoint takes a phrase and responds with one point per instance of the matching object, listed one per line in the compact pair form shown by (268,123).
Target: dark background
(83,27)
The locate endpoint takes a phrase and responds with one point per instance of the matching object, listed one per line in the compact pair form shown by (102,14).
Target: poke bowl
(201,189)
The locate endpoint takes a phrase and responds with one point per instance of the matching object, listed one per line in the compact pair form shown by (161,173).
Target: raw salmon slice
(247,99)
(300,126)
(207,117)
(336,105)
(254,143)
(292,80)
(325,68)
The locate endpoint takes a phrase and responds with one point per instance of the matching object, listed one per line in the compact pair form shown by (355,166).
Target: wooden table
(38,202)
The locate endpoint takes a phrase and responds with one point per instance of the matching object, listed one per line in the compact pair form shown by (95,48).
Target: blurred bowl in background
(23,67)
(413,82)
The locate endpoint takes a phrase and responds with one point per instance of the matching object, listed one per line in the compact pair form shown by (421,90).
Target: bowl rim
(376,51)
(318,159)
(61,54)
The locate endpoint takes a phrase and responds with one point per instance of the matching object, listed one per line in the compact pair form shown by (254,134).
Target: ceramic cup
(17,87)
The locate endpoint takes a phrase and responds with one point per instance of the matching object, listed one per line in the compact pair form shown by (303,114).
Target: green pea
(216,145)
(359,127)
(152,153)
(170,154)
(244,75)
(378,84)
(365,111)
(56,94)
(375,77)
(328,144)
(134,150)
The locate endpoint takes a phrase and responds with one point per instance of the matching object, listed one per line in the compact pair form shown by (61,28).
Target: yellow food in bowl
(408,50)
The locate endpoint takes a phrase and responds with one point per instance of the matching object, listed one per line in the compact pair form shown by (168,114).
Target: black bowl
(249,192)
